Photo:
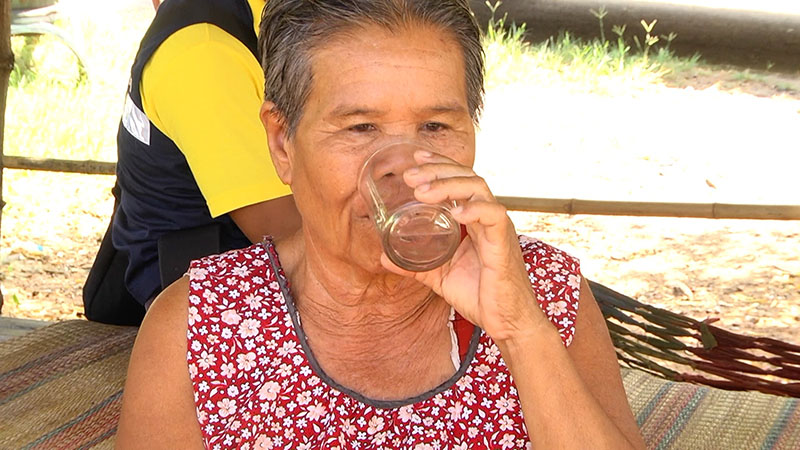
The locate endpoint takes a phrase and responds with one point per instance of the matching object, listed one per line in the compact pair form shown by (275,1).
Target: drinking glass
(415,236)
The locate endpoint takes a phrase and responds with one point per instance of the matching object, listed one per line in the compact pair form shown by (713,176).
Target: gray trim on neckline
(272,256)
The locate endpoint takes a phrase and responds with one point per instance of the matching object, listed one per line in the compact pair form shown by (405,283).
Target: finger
(463,189)
(424,156)
(489,219)
(429,172)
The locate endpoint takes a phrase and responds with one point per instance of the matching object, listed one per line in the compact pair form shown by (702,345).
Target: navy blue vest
(158,191)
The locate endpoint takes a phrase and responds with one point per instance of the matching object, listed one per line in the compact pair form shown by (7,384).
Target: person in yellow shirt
(194,175)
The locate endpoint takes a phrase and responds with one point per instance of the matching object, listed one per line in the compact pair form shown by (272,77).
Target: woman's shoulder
(230,263)
(233,281)
(555,278)
(535,251)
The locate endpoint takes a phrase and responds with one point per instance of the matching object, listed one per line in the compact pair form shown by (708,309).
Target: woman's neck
(381,335)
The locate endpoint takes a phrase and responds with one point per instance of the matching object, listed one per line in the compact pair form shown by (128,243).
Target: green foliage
(591,65)
(54,112)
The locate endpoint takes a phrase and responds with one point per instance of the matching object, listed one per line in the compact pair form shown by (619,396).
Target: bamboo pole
(60,165)
(6,66)
(617,208)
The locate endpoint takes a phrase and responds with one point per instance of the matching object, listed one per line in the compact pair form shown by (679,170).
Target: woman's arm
(158,408)
(573,397)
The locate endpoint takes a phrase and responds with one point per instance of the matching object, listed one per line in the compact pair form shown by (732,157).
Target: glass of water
(415,236)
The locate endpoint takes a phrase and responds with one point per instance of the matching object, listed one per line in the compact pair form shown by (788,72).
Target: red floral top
(258,386)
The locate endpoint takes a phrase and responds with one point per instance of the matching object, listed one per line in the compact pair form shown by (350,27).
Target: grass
(598,65)
(52,112)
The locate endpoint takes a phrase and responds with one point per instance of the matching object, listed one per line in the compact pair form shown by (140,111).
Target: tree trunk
(6,66)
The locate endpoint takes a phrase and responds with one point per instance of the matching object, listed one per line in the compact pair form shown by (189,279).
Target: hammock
(679,348)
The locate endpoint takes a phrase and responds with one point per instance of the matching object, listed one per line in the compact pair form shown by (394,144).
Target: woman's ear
(277,139)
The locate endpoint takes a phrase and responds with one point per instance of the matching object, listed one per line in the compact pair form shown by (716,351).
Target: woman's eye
(362,128)
(434,127)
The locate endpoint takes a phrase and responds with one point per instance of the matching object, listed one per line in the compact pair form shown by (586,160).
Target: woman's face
(370,86)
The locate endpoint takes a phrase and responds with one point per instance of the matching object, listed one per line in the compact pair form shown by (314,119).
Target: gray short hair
(292,29)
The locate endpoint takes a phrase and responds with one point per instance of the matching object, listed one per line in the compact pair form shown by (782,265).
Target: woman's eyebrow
(354,110)
(445,108)
(344,111)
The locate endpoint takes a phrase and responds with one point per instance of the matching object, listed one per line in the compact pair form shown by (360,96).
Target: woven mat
(61,386)
(686,416)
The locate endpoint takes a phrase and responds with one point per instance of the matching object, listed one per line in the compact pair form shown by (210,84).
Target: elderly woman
(318,340)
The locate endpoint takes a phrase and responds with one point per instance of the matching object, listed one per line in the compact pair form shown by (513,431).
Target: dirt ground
(709,136)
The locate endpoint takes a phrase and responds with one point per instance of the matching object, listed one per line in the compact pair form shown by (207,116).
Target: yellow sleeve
(203,89)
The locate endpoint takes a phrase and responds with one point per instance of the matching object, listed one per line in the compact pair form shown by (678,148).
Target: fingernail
(457,210)
(424,153)
(412,171)
(424,187)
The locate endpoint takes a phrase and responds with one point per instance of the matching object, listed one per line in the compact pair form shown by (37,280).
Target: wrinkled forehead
(411,59)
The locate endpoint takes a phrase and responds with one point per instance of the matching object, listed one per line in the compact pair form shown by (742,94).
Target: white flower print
(240,271)
(194,317)
(574,281)
(492,353)
(379,438)
(504,404)
(464,382)
(226,407)
(455,411)
(246,361)
(227,370)
(231,317)
(287,348)
(507,441)
(269,391)
(316,411)
(263,443)
(248,328)
(554,266)
(206,360)
(375,425)
(197,273)
(506,424)
(556,308)
(469,398)
(405,413)
(545,284)
(253,301)
(304,398)
(348,427)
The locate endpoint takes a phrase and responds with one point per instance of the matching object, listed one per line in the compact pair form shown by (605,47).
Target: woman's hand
(486,280)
